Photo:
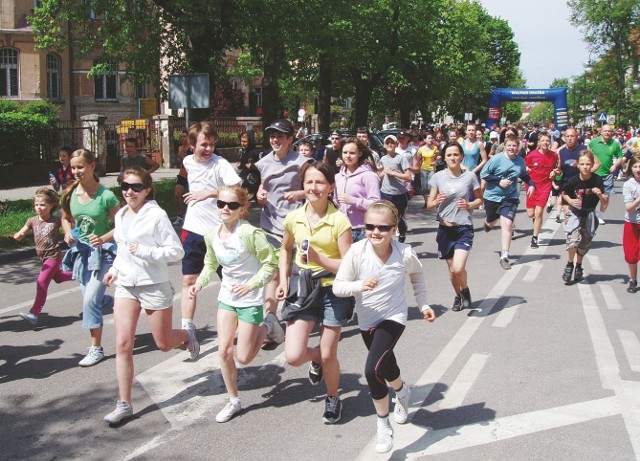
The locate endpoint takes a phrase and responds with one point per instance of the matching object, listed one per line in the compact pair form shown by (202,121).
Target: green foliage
(7,105)
(541,112)
(22,130)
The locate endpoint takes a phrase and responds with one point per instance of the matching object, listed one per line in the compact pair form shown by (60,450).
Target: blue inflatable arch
(557,95)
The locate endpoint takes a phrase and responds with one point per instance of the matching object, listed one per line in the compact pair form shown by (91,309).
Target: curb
(19,254)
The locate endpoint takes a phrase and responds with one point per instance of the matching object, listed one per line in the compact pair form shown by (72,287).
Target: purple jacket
(363,186)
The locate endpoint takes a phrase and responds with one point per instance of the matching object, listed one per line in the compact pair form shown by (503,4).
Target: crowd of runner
(330,239)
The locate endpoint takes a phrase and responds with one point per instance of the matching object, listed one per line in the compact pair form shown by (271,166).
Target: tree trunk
(270,88)
(324,98)
(405,110)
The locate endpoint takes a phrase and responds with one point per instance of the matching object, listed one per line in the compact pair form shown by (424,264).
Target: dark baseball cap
(405,133)
(282,125)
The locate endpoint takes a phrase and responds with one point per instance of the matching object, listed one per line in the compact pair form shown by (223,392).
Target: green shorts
(250,314)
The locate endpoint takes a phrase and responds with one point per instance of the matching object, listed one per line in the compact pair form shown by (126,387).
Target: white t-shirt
(238,267)
(203,216)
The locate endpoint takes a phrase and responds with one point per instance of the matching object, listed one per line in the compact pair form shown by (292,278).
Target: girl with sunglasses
(373,270)
(87,211)
(147,244)
(248,263)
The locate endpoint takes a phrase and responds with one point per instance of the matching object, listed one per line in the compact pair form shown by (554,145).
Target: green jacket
(255,240)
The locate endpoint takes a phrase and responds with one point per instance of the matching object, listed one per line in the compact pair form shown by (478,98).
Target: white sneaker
(601,221)
(123,410)
(229,411)
(95,355)
(192,344)
(275,331)
(401,410)
(385,439)
(29,317)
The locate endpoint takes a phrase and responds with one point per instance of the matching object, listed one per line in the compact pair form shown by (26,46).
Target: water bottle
(53,177)
(75,233)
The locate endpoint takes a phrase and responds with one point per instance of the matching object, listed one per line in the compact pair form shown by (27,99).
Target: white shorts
(153,297)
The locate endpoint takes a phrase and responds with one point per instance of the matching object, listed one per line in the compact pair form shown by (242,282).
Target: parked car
(375,142)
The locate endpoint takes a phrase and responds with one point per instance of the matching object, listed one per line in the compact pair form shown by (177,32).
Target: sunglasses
(381,228)
(137,187)
(232,205)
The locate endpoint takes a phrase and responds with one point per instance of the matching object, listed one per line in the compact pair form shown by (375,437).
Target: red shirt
(540,166)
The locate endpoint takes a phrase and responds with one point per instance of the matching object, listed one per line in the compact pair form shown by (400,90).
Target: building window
(106,85)
(54,76)
(8,72)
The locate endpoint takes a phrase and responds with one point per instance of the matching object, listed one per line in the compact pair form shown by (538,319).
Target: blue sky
(550,46)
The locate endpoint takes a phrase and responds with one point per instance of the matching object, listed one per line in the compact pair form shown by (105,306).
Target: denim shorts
(608,184)
(334,312)
(153,297)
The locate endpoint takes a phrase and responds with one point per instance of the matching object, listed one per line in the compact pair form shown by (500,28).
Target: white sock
(186,322)
(504,254)
(234,400)
(402,392)
(383,422)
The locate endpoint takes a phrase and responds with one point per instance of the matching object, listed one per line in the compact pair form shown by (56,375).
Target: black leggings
(381,366)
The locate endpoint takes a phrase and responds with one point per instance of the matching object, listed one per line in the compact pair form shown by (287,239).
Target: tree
(609,28)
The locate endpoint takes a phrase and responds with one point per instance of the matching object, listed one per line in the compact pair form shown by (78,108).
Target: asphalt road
(535,370)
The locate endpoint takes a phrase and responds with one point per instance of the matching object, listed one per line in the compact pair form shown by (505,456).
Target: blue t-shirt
(569,161)
(499,167)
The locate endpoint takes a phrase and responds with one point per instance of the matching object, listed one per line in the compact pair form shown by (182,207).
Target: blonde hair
(384,207)
(88,157)
(243,198)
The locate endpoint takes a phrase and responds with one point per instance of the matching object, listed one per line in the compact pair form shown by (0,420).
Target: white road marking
(533,272)
(594,262)
(506,316)
(610,298)
(25,304)
(605,355)
(459,389)
(631,347)
(455,438)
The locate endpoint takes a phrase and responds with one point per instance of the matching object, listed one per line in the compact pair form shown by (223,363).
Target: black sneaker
(633,286)
(534,242)
(549,208)
(558,220)
(315,373)
(332,410)
(465,298)
(578,275)
(568,271)
(457,304)
(486,227)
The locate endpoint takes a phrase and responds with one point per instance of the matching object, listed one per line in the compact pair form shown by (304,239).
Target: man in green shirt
(605,148)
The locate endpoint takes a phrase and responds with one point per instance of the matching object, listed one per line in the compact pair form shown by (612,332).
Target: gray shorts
(152,297)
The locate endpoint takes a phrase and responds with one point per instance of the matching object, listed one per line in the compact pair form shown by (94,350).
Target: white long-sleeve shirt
(387,301)
(158,245)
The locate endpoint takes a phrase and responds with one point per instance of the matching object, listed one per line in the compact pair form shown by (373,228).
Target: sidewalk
(108,181)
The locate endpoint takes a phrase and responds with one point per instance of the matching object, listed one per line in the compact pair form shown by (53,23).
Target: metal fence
(228,129)
(66,134)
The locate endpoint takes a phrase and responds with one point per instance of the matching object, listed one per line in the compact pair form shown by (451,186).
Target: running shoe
(568,272)
(332,410)
(29,317)
(505,264)
(275,331)
(486,227)
(578,275)
(457,304)
(534,242)
(192,345)
(123,411)
(384,443)
(401,409)
(633,286)
(95,355)
(465,298)
(601,221)
(315,373)
(229,411)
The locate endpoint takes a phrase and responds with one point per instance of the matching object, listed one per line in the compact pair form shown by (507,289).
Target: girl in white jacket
(146,244)
(373,271)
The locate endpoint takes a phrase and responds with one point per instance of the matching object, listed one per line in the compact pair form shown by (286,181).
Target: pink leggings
(51,270)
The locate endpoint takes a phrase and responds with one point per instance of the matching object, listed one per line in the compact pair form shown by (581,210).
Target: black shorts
(506,208)
(194,250)
(453,238)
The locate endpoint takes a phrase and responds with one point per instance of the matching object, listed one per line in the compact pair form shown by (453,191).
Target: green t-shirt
(93,218)
(605,153)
